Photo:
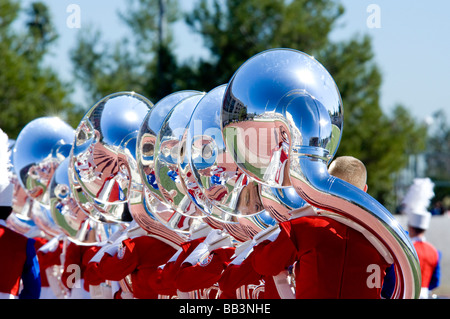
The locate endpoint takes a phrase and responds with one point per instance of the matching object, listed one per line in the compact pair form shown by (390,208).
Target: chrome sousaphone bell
(150,207)
(39,149)
(104,153)
(217,184)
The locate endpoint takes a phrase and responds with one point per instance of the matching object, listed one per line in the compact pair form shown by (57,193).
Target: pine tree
(28,89)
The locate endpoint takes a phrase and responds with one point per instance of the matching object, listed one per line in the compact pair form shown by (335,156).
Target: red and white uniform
(241,275)
(163,280)
(203,268)
(47,258)
(140,258)
(429,263)
(13,252)
(331,258)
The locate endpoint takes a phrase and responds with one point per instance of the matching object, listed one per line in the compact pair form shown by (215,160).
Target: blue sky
(411,44)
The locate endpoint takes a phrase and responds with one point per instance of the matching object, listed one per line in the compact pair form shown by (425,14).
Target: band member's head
(351,170)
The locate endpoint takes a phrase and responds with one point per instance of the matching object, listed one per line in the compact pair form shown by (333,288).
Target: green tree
(235,30)
(382,141)
(143,63)
(438,157)
(27,88)
(104,68)
(41,29)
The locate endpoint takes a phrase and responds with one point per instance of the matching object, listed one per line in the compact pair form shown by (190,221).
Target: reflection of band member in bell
(151,179)
(40,178)
(216,192)
(101,169)
(279,167)
(249,200)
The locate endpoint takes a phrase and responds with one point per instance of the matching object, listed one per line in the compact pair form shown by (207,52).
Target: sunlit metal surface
(279,202)
(148,133)
(171,231)
(282,119)
(153,205)
(104,151)
(42,217)
(212,179)
(269,109)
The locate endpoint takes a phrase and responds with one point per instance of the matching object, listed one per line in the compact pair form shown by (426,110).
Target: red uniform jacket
(79,255)
(235,276)
(205,272)
(332,259)
(428,259)
(13,257)
(163,280)
(47,259)
(139,257)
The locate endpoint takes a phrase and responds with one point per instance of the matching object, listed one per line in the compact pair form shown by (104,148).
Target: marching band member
(92,273)
(19,262)
(331,259)
(429,256)
(415,205)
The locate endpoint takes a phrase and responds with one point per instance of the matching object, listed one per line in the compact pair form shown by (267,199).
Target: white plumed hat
(419,220)
(416,202)
(6,187)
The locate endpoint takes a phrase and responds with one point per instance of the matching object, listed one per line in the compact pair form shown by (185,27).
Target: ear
(365,188)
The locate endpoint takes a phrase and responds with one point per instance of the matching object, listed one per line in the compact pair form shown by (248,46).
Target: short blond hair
(349,169)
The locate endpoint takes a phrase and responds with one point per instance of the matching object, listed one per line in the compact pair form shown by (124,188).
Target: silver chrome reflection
(41,145)
(66,213)
(289,95)
(42,217)
(142,212)
(279,202)
(212,180)
(167,150)
(104,151)
(149,205)
(262,108)
(148,133)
